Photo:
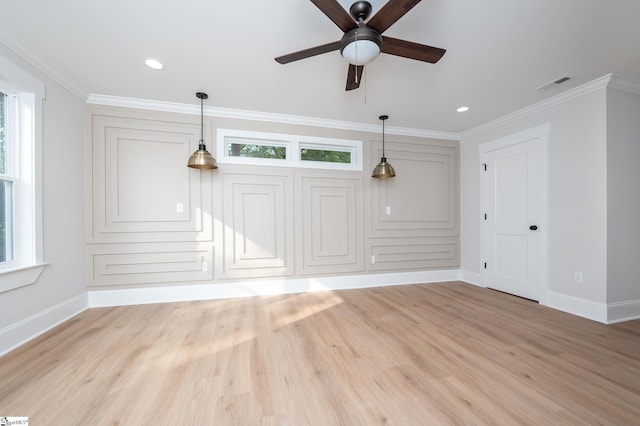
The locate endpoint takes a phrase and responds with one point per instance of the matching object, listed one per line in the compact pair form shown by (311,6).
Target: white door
(513,218)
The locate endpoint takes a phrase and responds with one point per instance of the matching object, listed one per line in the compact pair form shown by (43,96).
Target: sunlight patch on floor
(284,312)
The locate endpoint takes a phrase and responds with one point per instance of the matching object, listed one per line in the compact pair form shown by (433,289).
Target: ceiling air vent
(554,83)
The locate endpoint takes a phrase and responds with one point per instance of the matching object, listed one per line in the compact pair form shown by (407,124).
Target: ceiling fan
(363,42)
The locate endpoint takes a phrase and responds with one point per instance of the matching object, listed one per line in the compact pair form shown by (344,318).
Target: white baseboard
(604,313)
(474,278)
(577,306)
(223,290)
(623,311)
(21,332)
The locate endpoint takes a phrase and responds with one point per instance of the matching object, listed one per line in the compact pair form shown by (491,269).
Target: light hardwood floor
(446,353)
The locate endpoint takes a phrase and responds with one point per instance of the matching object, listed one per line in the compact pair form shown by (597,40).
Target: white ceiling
(498,53)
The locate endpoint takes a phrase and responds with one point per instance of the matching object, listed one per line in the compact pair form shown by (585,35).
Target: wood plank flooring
(446,353)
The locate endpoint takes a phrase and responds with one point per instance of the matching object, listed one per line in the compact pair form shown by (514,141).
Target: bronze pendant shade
(201,158)
(383,170)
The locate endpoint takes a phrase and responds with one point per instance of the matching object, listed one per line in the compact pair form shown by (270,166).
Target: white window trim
(29,264)
(293,144)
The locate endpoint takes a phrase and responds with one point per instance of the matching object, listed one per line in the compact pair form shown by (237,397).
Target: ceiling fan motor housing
(360,10)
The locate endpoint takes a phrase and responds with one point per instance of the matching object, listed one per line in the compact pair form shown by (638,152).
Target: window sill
(20,277)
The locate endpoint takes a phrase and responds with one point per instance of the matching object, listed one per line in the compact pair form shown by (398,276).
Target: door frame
(542,134)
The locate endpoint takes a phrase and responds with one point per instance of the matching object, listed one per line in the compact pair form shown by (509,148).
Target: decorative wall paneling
(414,220)
(329,229)
(126,264)
(159,222)
(257,219)
(140,193)
(422,200)
(414,253)
(150,217)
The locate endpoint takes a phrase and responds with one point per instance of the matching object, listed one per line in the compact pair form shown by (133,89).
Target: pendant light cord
(383,118)
(202,123)
(383,138)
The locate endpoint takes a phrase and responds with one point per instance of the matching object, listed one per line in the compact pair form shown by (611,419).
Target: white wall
(60,290)
(623,154)
(577,192)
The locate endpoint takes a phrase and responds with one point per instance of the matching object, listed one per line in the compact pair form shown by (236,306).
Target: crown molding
(576,92)
(627,84)
(37,61)
(152,105)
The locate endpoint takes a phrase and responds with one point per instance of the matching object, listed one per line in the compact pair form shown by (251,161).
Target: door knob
(533,227)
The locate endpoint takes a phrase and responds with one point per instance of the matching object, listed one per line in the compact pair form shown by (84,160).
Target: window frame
(293,145)
(25,95)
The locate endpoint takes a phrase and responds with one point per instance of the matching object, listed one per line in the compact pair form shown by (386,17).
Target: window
(17,233)
(327,154)
(20,223)
(256,150)
(7,180)
(245,147)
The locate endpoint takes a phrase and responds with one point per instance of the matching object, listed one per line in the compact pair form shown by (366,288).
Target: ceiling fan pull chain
(364,78)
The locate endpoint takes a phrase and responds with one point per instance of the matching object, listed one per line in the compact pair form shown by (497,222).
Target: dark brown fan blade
(352,81)
(411,50)
(390,13)
(336,13)
(307,53)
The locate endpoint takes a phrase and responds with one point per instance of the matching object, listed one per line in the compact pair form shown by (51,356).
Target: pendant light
(202,159)
(383,170)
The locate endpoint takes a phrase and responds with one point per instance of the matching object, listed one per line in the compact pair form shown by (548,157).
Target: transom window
(246,147)
(256,149)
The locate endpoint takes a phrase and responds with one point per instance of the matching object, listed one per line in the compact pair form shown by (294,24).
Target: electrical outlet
(205,266)
(577,277)
(373,260)
(388,210)
(179,207)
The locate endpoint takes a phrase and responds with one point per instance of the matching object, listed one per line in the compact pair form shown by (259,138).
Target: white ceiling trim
(576,92)
(152,105)
(624,83)
(36,61)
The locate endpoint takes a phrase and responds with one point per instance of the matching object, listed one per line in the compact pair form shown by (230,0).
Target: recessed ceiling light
(462,109)
(154,64)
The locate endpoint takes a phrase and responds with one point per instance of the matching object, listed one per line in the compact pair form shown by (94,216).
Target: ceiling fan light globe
(361,52)
(361,45)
